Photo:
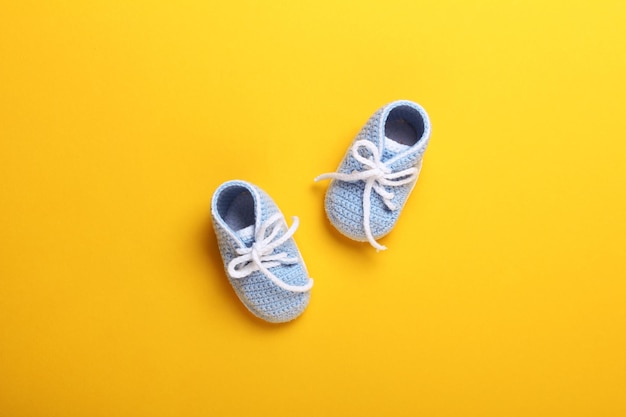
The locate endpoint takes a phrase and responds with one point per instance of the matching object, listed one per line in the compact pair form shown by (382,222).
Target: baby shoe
(261,259)
(379,171)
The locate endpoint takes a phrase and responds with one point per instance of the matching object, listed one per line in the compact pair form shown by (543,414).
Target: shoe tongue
(392,148)
(246,235)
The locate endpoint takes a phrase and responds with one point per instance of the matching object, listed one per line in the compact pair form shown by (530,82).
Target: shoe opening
(236,207)
(404,125)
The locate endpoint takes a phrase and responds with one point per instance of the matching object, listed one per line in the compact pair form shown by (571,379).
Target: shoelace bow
(377,176)
(261,257)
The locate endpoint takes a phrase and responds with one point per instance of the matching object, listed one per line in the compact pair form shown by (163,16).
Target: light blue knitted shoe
(378,173)
(260,256)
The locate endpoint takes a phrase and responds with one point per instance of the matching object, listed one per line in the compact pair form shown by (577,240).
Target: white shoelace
(261,256)
(377,176)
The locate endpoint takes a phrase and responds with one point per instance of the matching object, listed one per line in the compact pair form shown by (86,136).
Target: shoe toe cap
(344,208)
(269,302)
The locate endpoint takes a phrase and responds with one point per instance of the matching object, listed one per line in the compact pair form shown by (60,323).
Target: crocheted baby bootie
(378,173)
(261,259)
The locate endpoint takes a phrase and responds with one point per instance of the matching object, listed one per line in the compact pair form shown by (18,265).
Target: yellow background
(503,291)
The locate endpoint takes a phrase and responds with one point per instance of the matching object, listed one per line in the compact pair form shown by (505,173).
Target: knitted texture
(258,293)
(344,200)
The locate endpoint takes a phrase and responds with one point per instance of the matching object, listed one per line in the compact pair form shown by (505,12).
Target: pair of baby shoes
(363,202)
